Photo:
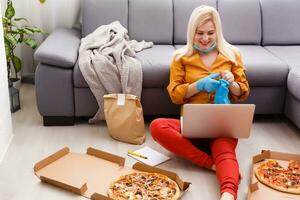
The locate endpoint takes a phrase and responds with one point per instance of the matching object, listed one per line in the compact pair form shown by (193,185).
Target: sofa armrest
(60,48)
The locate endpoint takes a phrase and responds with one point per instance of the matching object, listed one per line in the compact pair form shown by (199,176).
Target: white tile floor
(33,142)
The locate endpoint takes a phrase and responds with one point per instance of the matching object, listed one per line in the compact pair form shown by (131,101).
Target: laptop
(217,120)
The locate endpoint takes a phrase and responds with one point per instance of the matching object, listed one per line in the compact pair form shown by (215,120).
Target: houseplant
(15,34)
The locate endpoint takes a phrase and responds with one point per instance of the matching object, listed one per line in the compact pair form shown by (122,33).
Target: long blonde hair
(201,15)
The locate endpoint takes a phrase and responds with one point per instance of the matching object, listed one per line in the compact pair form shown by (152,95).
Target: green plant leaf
(21,18)
(30,42)
(5,20)
(34,29)
(12,40)
(17,63)
(7,50)
(10,11)
(42,1)
(21,36)
(26,31)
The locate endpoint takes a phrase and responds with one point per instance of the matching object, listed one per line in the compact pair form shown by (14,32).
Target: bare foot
(240,178)
(227,196)
(213,168)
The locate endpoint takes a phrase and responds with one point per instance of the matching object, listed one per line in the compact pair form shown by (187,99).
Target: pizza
(144,186)
(277,177)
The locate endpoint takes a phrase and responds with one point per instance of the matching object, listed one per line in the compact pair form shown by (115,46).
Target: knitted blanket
(108,64)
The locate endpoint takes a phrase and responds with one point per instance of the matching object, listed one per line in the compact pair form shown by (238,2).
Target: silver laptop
(217,120)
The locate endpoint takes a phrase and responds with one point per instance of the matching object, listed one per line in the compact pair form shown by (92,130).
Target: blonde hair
(201,15)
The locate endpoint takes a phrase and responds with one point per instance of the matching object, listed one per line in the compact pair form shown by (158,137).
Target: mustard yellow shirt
(187,70)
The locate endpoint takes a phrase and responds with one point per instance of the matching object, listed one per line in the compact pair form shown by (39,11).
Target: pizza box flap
(97,196)
(253,187)
(50,159)
(267,154)
(77,189)
(107,156)
(143,167)
(283,156)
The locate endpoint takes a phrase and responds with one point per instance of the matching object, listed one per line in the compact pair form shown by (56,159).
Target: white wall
(48,16)
(5,116)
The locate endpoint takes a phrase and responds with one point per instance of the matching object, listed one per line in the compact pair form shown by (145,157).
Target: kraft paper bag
(124,118)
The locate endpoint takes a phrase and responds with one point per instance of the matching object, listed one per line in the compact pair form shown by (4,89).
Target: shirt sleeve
(177,87)
(240,78)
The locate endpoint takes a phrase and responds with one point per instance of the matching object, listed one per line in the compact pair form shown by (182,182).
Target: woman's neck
(215,51)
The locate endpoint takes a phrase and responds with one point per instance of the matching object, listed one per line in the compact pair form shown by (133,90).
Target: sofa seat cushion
(288,54)
(293,82)
(156,65)
(263,68)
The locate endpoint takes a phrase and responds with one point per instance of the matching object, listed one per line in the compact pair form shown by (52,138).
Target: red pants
(220,152)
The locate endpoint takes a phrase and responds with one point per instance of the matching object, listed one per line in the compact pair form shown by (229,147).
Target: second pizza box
(259,191)
(90,174)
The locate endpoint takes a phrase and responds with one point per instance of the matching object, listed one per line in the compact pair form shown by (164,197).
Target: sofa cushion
(263,68)
(156,65)
(182,11)
(241,21)
(293,82)
(288,54)
(280,22)
(60,48)
(100,12)
(151,21)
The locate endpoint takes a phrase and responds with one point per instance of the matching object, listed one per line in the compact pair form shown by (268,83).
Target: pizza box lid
(259,191)
(91,173)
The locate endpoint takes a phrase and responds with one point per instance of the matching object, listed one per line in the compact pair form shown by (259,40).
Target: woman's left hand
(228,76)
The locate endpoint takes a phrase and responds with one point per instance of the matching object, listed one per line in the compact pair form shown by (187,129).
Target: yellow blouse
(187,70)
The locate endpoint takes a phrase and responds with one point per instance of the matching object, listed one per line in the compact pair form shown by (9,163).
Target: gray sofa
(267,32)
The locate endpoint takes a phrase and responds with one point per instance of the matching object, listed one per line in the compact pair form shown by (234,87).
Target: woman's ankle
(227,196)
(213,167)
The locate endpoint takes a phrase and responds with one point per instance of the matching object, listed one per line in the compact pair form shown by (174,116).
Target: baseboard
(28,78)
(58,121)
(5,148)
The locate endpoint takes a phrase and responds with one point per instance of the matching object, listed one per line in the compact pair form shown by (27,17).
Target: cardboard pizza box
(90,174)
(259,191)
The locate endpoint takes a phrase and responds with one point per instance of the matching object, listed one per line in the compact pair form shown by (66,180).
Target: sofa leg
(58,121)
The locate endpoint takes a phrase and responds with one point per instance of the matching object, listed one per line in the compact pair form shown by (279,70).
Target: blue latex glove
(208,83)
(221,96)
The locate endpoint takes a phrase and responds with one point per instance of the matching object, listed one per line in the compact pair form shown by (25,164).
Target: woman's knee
(156,127)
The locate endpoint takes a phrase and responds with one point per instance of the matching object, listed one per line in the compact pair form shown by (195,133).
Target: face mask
(210,49)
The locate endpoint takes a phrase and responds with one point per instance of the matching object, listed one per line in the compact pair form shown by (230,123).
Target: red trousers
(202,152)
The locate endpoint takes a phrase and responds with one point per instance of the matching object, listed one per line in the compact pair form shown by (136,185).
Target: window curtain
(50,15)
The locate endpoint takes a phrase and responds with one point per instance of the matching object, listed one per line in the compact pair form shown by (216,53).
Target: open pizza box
(90,174)
(259,191)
